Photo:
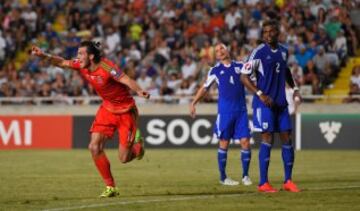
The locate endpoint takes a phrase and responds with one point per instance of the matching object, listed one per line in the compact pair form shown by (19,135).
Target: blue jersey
(269,67)
(231,90)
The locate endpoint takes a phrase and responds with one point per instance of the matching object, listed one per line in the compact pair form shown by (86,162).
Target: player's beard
(272,40)
(86,63)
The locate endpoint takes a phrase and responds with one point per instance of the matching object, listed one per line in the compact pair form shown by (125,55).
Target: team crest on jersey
(98,79)
(115,73)
(237,69)
(283,55)
(222,72)
(265,125)
(248,66)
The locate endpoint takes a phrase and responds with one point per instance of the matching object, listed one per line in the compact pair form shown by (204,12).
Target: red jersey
(116,96)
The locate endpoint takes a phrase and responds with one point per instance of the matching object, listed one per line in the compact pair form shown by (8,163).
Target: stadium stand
(167,45)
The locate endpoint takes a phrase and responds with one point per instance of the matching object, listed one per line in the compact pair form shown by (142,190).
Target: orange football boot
(267,188)
(290,186)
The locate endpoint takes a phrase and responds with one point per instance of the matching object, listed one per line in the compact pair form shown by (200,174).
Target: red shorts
(107,122)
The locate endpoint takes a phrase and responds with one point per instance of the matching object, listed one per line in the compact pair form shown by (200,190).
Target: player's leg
(222,159)
(102,163)
(242,133)
(224,131)
(287,150)
(264,157)
(263,122)
(131,144)
(101,129)
(288,154)
(128,152)
(245,160)
(96,148)
(127,134)
(288,157)
(138,148)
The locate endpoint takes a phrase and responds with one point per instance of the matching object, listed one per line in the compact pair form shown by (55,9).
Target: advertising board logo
(19,132)
(159,131)
(330,130)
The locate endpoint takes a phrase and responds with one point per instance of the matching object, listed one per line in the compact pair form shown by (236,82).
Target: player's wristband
(296,88)
(259,93)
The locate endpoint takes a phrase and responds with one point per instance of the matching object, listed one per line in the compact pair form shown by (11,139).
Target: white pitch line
(185,198)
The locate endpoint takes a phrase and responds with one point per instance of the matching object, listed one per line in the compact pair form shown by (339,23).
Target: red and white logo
(18,131)
(248,66)
(40,132)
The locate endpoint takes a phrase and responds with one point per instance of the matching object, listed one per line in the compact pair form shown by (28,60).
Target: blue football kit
(232,120)
(268,67)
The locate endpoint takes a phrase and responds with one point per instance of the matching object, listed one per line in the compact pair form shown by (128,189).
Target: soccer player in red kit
(117,112)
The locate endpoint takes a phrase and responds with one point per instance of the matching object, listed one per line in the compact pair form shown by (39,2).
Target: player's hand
(266,100)
(144,94)
(297,97)
(36,51)
(192,110)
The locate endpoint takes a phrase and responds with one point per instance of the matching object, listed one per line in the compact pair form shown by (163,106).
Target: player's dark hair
(272,23)
(92,48)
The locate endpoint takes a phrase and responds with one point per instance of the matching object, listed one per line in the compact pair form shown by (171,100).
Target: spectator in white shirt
(144,81)
(2,48)
(30,17)
(112,40)
(340,45)
(188,68)
(231,16)
(134,53)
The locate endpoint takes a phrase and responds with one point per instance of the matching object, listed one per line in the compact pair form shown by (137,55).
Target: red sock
(136,149)
(103,166)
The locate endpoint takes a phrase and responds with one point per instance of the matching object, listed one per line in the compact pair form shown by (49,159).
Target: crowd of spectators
(354,86)
(168,46)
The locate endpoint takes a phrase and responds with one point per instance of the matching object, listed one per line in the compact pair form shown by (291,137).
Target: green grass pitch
(174,180)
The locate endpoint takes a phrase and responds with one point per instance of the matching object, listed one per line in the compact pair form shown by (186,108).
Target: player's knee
(267,138)
(287,142)
(94,149)
(285,137)
(123,159)
(223,144)
(245,144)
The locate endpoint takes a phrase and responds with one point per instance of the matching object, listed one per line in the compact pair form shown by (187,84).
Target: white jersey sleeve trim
(251,66)
(238,66)
(211,78)
(253,54)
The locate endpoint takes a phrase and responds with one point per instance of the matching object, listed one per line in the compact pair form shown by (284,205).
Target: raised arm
(55,60)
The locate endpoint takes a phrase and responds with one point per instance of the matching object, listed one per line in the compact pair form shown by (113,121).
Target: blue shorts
(232,126)
(267,119)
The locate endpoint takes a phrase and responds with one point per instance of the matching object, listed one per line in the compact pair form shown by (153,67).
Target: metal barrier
(93,100)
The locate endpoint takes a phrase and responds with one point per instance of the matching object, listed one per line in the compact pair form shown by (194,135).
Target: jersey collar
(227,66)
(273,50)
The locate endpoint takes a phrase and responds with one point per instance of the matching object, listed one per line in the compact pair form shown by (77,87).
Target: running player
(117,112)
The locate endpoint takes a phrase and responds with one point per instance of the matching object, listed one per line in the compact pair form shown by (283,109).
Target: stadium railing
(93,100)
